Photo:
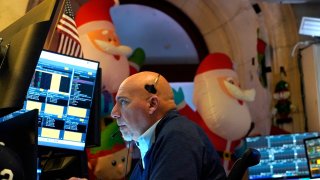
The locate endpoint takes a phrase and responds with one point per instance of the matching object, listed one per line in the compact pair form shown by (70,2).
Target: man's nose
(115,113)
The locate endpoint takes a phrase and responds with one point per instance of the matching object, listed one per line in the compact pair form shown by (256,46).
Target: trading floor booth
(49,102)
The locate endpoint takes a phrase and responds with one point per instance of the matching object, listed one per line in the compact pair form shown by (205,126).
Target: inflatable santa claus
(220,105)
(100,42)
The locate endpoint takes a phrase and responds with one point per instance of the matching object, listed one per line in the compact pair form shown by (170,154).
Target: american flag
(69,42)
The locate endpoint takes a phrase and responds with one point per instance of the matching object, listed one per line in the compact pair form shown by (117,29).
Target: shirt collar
(145,141)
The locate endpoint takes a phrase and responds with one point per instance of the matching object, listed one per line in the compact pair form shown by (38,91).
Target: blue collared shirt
(145,141)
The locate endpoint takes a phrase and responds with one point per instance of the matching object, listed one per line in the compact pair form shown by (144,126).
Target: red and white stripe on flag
(69,42)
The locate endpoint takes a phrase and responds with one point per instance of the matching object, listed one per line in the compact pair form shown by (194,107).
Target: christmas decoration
(220,105)
(283,106)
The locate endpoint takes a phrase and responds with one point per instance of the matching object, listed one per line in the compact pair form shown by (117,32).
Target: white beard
(127,135)
(114,50)
(113,71)
(223,115)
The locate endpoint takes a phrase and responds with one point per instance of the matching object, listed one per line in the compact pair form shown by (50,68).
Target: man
(171,146)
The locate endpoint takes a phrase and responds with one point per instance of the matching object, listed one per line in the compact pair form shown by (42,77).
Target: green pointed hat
(109,144)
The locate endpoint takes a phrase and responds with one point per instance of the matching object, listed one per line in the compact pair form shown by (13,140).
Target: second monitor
(282,156)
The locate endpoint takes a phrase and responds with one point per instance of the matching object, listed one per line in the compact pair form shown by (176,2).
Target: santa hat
(215,61)
(94,10)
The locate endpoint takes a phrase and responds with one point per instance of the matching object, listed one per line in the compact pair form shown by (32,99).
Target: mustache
(238,93)
(112,49)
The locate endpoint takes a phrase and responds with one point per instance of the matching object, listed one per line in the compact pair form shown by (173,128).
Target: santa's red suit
(220,107)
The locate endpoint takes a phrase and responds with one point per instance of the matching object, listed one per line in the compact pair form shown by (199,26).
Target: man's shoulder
(178,125)
(178,121)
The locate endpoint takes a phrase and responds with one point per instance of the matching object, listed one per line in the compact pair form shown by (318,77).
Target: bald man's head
(146,83)
(137,107)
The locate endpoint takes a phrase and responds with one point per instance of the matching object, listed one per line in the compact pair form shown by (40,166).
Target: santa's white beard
(223,115)
(114,50)
(113,71)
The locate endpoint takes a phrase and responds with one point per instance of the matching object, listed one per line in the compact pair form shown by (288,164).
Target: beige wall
(10,11)
(232,29)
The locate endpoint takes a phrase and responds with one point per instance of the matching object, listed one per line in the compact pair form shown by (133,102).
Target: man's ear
(153,104)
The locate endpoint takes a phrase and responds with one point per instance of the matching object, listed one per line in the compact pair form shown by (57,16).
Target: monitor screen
(62,88)
(312,146)
(282,156)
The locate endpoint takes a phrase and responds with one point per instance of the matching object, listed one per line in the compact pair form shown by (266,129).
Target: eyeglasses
(151,87)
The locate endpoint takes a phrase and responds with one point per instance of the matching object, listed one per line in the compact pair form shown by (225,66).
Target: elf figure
(283,107)
(111,160)
(220,105)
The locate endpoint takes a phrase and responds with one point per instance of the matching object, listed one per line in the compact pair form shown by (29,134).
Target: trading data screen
(282,156)
(312,146)
(62,89)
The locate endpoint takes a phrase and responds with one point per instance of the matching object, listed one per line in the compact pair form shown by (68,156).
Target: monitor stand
(58,163)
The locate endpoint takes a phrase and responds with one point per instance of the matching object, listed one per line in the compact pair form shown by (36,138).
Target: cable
(300,43)
(306,128)
(303,45)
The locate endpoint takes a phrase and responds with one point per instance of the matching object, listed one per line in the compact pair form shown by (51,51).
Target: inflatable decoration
(100,42)
(111,159)
(220,103)
(283,106)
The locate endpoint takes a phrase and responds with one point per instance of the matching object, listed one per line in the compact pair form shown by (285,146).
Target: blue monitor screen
(282,156)
(62,89)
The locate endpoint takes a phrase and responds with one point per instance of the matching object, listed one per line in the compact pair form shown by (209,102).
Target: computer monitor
(20,46)
(62,89)
(93,137)
(19,134)
(312,147)
(282,156)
